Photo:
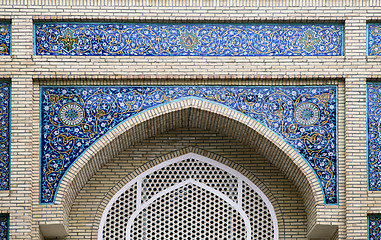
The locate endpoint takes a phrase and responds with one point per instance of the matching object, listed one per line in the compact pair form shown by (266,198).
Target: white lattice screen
(189,197)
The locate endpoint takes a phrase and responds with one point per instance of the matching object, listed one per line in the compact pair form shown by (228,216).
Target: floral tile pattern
(374,39)
(5,38)
(4,224)
(374,224)
(4,135)
(132,39)
(73,118)
(373,136)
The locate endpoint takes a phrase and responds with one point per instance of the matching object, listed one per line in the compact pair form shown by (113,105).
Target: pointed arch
(200,114)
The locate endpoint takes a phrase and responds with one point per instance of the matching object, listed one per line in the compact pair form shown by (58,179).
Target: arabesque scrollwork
(5,39)
(133,39)
(73,118)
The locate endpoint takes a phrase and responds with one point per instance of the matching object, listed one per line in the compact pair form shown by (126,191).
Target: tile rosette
(5,38)
(132,39)
(73,118)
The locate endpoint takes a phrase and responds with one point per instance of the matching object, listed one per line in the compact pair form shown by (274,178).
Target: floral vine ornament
(375,32)
(5,39)
(73,118)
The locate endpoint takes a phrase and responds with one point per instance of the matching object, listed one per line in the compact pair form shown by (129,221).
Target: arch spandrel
(312,140)
(197,113)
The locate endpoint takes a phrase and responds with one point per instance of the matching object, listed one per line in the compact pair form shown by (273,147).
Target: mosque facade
(203,119)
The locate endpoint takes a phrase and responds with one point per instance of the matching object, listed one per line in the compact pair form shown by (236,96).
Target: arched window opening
(189,197)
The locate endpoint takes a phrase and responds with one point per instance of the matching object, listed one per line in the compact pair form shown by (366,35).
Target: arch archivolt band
(199,167)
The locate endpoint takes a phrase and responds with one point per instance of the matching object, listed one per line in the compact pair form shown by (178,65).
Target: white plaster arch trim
(237,206)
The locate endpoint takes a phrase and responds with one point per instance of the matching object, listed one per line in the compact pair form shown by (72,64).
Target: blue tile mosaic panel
(133,39)
(73,118)
(5,38)
(374,225)
(374,39)
(373,136)
(4,135)
(4,225)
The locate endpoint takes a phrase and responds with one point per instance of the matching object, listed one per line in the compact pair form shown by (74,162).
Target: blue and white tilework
(4,135)
(374,224)
(374,137)
(73,118)
(374,39)
(133,39)
(4,223)
(5,38)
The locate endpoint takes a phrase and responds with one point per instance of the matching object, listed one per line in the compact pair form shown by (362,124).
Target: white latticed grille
(189,197)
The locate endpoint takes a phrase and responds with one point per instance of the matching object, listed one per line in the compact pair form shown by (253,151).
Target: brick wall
(27,72)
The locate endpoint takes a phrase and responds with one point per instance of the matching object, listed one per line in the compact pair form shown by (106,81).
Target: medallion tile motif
(374,224)
(4,135)
(374,137)
(374,39)
(5,38)
(129,39)
(73,118)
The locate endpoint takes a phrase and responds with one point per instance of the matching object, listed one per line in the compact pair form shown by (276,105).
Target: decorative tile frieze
(4,135)
(374,39)
(374,225)
(73,118)
(5,38)
(143,39)
(373,136)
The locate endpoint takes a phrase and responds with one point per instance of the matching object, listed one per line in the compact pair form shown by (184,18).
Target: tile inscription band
(143,39)
(73,118)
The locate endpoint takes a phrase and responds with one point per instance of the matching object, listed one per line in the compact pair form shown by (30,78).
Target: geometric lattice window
(189,197)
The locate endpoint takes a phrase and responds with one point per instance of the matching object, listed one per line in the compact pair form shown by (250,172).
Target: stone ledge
(53,230)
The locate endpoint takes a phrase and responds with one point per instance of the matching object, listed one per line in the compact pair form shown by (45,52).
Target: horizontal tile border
(191,39)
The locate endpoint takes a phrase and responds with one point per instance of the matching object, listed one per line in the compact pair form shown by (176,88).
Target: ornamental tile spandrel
(133,39)
(74,118)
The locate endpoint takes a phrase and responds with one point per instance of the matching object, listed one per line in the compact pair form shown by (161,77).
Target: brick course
(350,72)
